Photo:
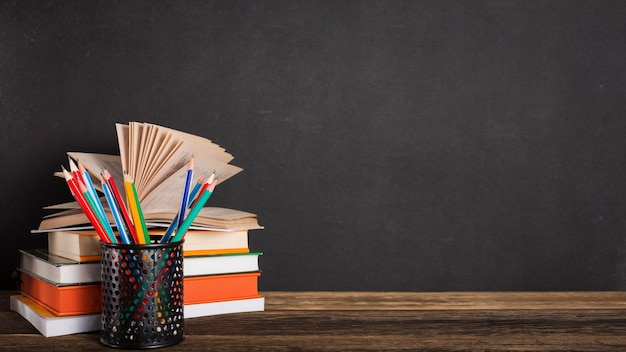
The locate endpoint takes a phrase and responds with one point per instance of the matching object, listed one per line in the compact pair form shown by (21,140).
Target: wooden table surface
(382,321)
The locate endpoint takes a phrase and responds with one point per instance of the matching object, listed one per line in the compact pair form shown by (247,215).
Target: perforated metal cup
(142,295)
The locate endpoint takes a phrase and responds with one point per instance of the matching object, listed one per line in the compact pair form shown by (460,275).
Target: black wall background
(386,145)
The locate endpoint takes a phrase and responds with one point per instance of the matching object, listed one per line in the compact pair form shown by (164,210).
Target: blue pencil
(183,203)
(204,197)
(116,212)
(174,224)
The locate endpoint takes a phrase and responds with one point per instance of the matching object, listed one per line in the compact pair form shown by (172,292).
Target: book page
(96,163)
(167,195)
(208,158)
(163,155)
(195,142)
(150,150)
(122,141)
(142,154)
(134,139)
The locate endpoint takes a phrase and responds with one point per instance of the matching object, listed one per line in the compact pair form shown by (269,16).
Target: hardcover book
(221,264)
(81,246)
(84,246)
(63,271)
(58,269)
(50,325)
(62,300)
(212,288)
(85,299)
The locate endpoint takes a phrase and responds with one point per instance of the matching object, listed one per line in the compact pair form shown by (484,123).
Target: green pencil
(101,217)
(182,229)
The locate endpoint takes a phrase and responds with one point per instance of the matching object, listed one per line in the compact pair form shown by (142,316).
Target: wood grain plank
(443,300)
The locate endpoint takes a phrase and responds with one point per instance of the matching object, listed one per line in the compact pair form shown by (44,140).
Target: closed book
(84,246)
(65,300)
(221,264)
(58,269)
(81,246)
(212,288)
(224,307)
(49,324)
(61,300)
(64,271)
(215,242)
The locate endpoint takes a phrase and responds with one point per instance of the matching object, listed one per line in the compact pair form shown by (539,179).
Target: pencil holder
(142,295)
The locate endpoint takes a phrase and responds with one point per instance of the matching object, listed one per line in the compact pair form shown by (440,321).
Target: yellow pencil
(135,210)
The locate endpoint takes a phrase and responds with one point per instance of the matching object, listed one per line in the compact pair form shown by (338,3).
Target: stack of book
(60,290)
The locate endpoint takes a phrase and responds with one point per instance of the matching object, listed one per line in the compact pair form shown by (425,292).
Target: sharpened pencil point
(73,166)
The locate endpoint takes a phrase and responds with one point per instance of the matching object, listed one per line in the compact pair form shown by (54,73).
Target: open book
(156,158)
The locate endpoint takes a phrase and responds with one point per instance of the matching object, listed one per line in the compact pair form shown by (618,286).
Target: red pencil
(86,208)
(75,171)
(118,198)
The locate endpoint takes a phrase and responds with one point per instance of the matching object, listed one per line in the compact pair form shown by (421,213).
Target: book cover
(57,269)
(211,288)
(85,299)
(61,300)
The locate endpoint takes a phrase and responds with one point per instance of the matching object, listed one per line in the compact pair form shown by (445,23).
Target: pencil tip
(73,166)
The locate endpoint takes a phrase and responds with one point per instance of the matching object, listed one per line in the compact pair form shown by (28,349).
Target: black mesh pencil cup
(142,295)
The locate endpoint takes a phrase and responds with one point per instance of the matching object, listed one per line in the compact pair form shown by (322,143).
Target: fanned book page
(156,155)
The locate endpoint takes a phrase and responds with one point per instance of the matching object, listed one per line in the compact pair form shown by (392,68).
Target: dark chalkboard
(386,145)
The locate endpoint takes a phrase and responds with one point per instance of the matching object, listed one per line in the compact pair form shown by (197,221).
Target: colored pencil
(121,205)
(204,186)
(73,185)
(143,237)
(75,171)
(174,224)
(121,227)
(101,217)
(185,198)
(182,229)
(194,191)
(98,208)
